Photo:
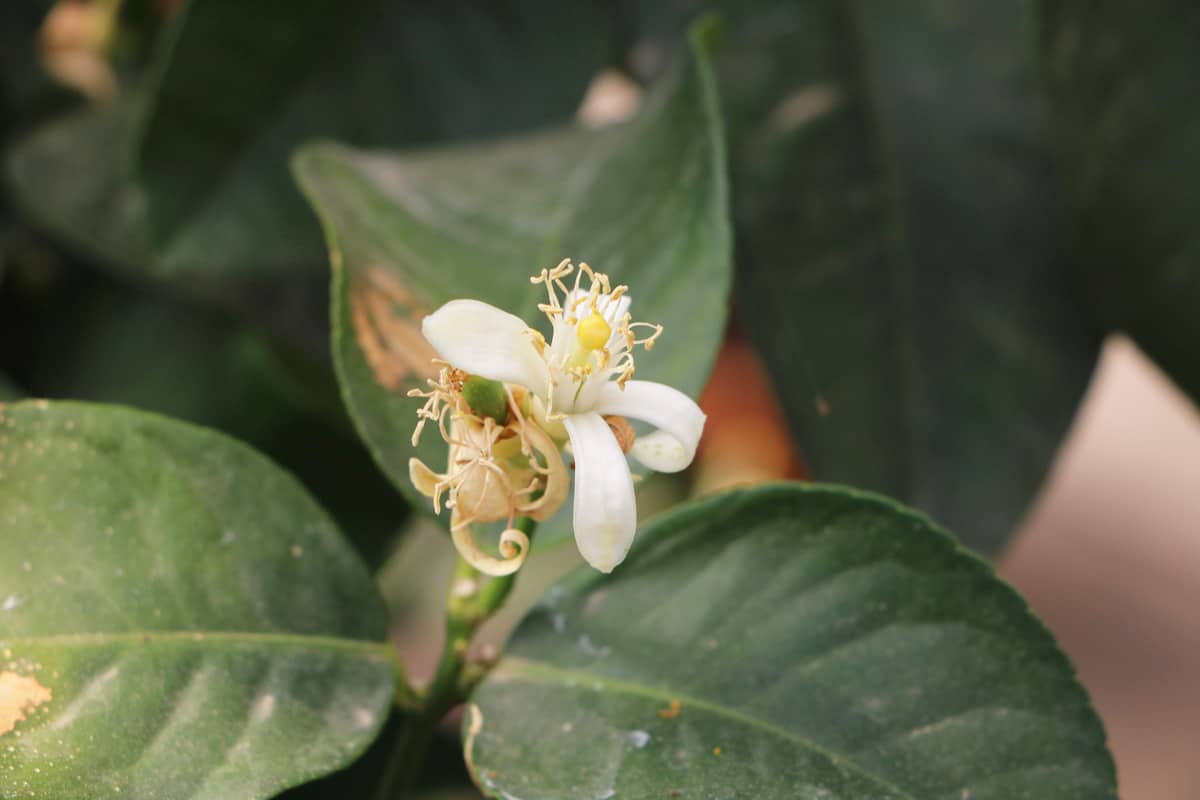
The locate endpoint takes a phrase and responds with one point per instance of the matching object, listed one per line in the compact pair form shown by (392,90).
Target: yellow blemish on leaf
(386,318)
(671,711)
(19,695)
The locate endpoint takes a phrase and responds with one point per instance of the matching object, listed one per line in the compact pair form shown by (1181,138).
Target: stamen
(440,399)
(552,278)
(616,364)
(647,342)
(539,341)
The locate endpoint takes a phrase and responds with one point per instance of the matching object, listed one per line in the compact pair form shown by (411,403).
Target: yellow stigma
(594,332)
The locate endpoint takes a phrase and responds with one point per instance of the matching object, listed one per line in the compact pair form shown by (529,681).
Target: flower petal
(605,509)
(426,481)
(487,341)
(679,420)
(661,452)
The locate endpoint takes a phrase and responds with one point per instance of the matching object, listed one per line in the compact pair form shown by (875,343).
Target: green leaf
(788,641)
(66,177)
(179,618)
(415,74)
(645,203)
(242,84)
(898,248)
(906,285)
(1121,80)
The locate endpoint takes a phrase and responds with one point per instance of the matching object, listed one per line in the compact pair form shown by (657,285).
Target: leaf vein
(515,667)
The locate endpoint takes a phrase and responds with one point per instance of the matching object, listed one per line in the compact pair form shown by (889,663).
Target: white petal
(611,311)
(605,509)
(487,341)
(661,452)
(679,420)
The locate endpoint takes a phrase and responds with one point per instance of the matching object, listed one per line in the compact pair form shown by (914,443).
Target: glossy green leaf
(242,84)
(645,203)
(1122,80)
(178,619)
(789,641)
(898,245)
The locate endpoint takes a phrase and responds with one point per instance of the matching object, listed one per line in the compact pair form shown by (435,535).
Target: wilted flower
(499,467)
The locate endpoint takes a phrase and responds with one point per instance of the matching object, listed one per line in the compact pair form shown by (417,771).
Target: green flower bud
(486,398)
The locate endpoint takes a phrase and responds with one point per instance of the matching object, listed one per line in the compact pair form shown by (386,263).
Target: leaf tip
(302,158)
(707,32)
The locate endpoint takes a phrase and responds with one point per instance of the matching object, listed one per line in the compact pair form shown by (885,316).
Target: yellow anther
(594,331)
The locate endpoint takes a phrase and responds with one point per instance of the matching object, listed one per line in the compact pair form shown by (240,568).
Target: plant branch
(468,605)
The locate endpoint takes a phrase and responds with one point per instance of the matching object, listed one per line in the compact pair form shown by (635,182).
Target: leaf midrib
(518,668)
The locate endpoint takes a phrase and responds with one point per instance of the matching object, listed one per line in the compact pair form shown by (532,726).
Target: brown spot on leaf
(19,695)
(386,319)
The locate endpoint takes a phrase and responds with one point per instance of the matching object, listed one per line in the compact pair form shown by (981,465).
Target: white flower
(580,389)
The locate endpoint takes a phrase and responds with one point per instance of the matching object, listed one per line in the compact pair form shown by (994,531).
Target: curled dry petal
(514,547)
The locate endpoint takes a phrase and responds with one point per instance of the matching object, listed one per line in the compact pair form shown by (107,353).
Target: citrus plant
(284,281)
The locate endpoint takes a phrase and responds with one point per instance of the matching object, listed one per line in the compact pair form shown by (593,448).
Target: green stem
(465,612)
